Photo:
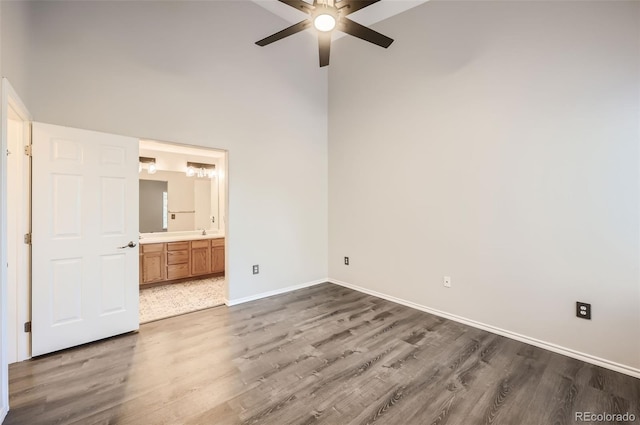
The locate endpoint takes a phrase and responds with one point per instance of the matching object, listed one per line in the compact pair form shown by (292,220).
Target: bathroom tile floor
(164,301)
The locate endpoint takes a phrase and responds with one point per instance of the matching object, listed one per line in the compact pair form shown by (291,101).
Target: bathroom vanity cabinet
(178,260)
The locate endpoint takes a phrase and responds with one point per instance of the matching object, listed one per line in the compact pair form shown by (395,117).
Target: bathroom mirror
(170,201)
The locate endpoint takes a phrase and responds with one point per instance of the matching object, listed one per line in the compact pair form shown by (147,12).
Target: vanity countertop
(176,238)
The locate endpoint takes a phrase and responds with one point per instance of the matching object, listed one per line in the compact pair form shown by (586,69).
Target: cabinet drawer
(177,246)
(152,247)
(217,242)
(176,271)
(177,257)
(199,244)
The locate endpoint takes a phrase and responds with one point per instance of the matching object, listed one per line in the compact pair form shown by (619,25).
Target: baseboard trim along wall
(627,370)
(231,303)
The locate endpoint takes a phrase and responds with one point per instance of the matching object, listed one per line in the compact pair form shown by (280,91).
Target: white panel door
(84,237)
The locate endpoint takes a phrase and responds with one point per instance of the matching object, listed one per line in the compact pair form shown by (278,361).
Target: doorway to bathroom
(183,199)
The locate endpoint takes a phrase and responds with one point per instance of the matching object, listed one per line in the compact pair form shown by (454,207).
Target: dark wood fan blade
(298,4)
(364,33)
(347,7)
(324,42)
(300,26)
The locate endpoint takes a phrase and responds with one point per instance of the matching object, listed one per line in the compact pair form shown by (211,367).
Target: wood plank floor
(321,355)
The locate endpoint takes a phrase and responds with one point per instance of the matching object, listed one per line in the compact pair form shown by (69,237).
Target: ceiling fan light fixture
(324,22)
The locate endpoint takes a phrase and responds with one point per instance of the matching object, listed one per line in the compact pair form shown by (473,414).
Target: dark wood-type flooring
(321,355)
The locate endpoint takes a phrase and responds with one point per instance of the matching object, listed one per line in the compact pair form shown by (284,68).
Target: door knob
(131,244)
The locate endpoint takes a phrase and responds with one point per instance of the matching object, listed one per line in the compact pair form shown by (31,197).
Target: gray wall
(14,44)
(496,143)
(189,72)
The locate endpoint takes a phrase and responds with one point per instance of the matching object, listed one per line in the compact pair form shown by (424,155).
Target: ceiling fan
(325,16)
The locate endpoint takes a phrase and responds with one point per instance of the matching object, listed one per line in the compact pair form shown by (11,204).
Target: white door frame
(9,97)
(19,253)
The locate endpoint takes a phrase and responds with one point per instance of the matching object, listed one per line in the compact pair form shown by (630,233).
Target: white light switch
(446,281)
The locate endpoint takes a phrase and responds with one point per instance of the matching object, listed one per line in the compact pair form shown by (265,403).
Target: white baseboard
(627,370)
(231,303)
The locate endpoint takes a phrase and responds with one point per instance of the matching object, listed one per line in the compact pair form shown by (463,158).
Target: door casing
(9,97)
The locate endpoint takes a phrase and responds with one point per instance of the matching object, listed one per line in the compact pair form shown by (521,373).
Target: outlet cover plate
(583,310)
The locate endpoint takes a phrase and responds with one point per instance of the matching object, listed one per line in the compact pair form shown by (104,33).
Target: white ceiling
(369,15)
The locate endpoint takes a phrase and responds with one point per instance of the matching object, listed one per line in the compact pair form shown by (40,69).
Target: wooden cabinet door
(153,263)
(200,261)
(217,259)
(217,255)
(177,271)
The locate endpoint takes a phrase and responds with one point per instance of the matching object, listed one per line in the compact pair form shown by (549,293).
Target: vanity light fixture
(151,167)
(199,169)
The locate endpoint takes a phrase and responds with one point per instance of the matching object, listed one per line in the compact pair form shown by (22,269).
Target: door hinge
(27,238)
(27,150)
(27,327)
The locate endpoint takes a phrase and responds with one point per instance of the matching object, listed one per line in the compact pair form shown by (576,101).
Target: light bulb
(152,168)
(324,22)
(191,171)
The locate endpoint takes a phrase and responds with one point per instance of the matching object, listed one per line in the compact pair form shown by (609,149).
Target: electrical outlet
(256,269)
(446,281)
(346,261)
(583,310)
